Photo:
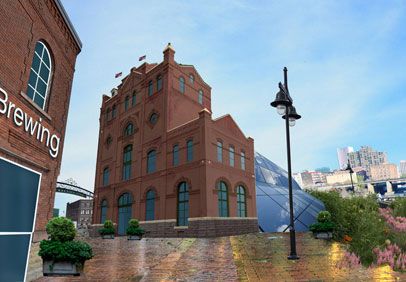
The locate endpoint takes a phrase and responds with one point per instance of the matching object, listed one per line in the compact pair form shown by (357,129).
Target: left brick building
(38,50)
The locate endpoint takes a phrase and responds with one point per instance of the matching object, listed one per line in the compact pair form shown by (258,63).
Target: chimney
(169,54)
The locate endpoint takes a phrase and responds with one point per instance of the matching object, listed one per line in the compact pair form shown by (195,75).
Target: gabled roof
(192,66)
(227,122)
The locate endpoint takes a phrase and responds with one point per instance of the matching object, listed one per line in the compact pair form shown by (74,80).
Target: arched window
(241,202)
(150,206)
(175,155)
(191,78)
(150,88)
(40,75)
(223,199)
(127,162)
(114,111)
(183,204)
(231,155)
(159,82)
(124,212)
(108,114)
(153,119)
(126,103)
(103,211)
(189,150)
(242,160)
(151,161)
(182,85)
(219,151)
(134,98)
(201,97)
(106,176)
(129,129)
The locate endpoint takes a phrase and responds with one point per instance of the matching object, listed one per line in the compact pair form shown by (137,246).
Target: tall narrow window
(127,162)
(150,88)
(175,155)
(150,206)
(242,160)
(219,151)
(129,129)
(189,150)
(182,85)
(183,204)
(159,82)
(201,97)
(124,212)
(108,114)
(223,199)
(40,75)
(134,98)
(191,78)
(126,103)
(106,176)
(103,211)
(151,161)
(231,155)
(241,202)
(114,111)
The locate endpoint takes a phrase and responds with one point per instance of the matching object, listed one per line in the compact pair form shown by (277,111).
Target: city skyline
(325,66)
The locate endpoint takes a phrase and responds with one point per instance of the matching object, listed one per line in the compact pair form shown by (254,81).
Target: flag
(118,74)
(142,58)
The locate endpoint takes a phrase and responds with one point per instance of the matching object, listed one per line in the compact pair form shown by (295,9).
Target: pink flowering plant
(391,255)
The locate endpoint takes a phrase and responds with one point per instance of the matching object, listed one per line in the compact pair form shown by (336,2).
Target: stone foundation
(201,227)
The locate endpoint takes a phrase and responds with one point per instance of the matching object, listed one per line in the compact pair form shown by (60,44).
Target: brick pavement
(253,257)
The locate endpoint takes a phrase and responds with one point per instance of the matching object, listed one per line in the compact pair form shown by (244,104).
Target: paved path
(255,257)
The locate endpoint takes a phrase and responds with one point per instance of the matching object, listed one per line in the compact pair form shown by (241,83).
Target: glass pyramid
(273,199)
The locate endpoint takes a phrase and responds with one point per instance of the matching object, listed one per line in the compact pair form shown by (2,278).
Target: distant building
(341,177)
(55,212)
(367,157)
(402,169)
(313,178)
(298,178)
(81,212)
(342,155)
(384,171)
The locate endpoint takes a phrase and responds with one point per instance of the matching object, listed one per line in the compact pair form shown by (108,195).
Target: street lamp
(284,106)
(349,168)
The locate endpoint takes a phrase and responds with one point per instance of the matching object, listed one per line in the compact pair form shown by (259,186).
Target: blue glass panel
(13,256)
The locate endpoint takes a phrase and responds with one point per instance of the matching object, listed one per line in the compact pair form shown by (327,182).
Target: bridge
(71,187)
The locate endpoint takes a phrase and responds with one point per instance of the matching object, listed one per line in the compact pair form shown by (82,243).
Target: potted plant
(108,231)
(61,255)
(134,231)
(324,227)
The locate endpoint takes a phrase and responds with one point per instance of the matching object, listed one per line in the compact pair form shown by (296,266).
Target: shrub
(134,228)
(399,207)
(76,252)
(324,216)
(322,227)
(61,229)
(108,228)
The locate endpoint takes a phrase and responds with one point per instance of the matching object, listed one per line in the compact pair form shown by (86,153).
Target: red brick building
(38,47)
(163,160)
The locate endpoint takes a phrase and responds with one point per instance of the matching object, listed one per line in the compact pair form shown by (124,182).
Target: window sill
(36,107)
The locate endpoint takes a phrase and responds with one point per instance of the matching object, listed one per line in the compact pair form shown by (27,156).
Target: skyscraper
(402,169)
(342,155)
(366,157)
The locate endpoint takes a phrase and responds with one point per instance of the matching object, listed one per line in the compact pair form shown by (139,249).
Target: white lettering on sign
(30,126)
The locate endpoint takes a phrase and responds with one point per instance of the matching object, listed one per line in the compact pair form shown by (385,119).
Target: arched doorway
(124,212)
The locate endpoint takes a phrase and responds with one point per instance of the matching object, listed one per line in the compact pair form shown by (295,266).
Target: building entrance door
(124,212)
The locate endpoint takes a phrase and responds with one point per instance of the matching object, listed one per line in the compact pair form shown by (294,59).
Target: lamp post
(349,168)
(284,106)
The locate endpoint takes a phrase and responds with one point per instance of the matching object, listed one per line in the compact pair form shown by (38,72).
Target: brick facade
(181,116)
(22,25)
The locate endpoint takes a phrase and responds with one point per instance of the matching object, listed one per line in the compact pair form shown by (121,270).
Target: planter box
(60,268)
(110,236)
(134,237)
(323,235)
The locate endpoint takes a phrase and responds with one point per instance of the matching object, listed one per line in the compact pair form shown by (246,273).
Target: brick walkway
(256,257)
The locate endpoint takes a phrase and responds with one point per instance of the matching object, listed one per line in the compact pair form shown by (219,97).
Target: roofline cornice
(68,23)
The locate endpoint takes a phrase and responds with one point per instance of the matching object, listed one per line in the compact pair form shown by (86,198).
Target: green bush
(76,252)
(61,229)
(399,207)
(322,227)
(324,216)
(134,228)
(108,228)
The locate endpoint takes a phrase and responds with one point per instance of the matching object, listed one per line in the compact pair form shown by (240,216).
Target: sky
(346,62)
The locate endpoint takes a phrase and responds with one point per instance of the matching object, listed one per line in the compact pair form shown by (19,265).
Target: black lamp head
(292,113)
(282,98)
